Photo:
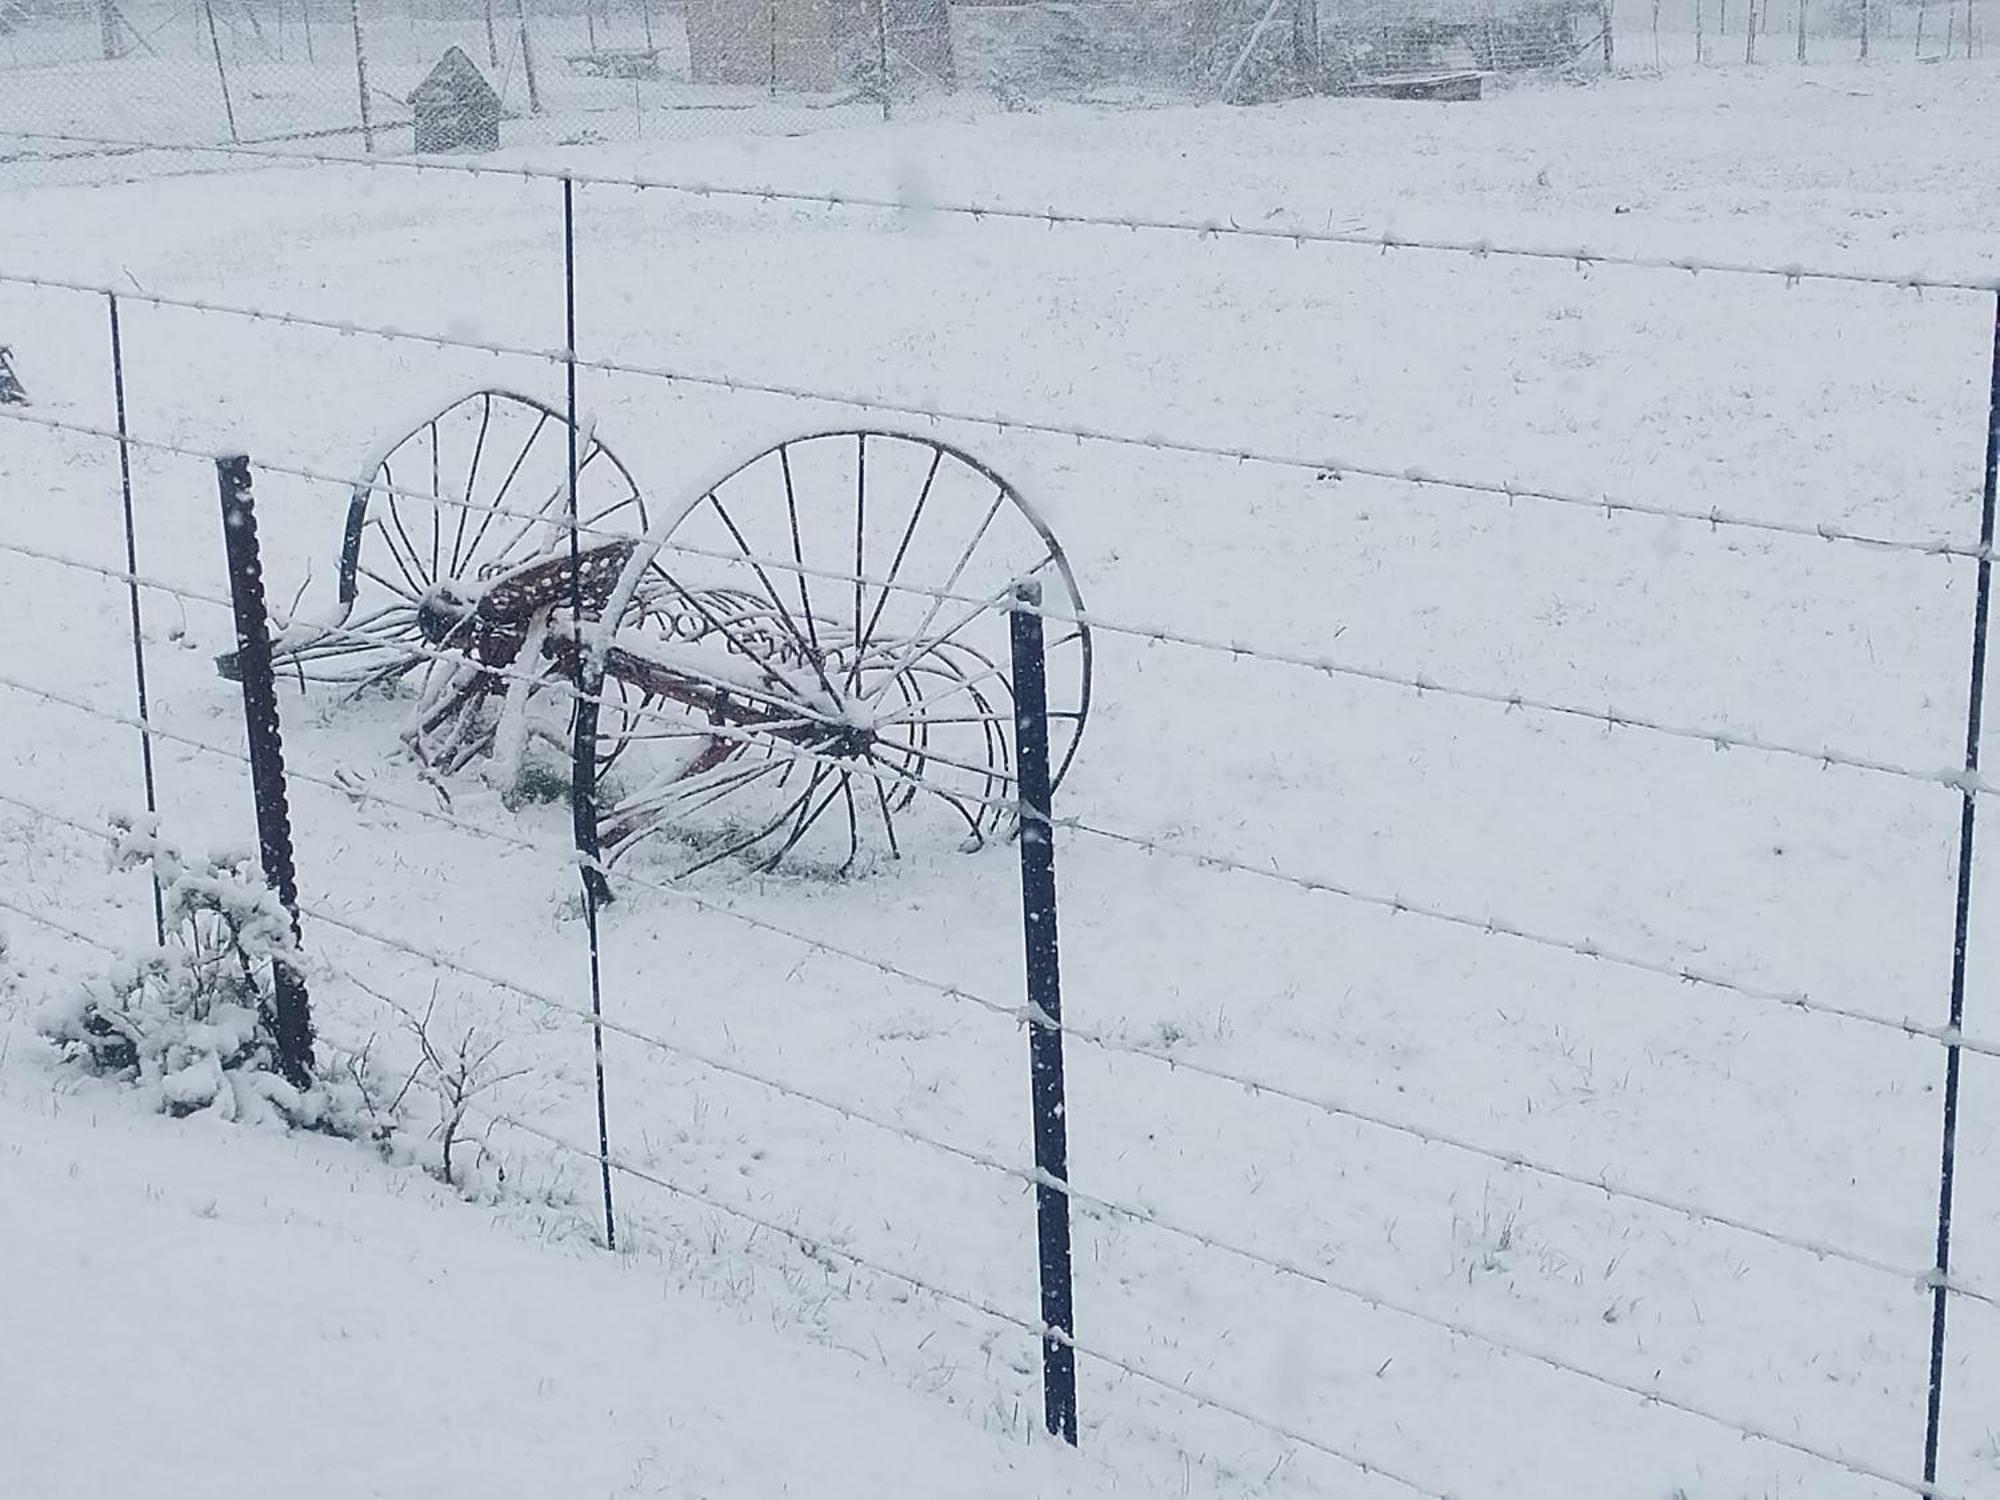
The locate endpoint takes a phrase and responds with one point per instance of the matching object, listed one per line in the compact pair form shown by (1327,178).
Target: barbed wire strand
(1367,1297)
(887,776)
(1371,1298)
(1320,465)
(52,923)
(1714,736)
(1584,948)
(1819,1455)
(1395,903)
(1103,1041)
(820,1245)
(1581,257)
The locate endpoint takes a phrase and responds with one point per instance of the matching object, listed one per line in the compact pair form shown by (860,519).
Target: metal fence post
(293,1019)
(585,683)
(1045,1048)
(1962,913)
(132,594)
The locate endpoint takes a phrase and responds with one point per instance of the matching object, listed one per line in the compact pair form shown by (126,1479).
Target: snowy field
(1862,408)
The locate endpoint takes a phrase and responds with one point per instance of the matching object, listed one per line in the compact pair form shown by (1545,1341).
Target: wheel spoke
(506,487)
(396,519)
(798,553)
(471,481)
(964,558)
(860,535)
(408,593)
(902,549)
(437,503)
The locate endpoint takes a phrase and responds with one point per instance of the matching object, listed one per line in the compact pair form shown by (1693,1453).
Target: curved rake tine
(853,824)
(924,647)
(956,803)
(716,623)
(960,684)
(795,805)
(997,747)
(888,818)
(920,740)
(638,816)
(812,656)
(994,774)
(808,818)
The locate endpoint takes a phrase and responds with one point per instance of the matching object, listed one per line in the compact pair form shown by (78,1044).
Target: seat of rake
(805,660)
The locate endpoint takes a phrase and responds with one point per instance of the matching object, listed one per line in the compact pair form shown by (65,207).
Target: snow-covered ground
(1858,407)
(194,1311)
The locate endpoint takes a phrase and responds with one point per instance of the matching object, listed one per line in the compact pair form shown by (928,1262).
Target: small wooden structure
(455,107)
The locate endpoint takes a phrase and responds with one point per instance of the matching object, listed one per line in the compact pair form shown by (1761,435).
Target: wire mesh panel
(200,72)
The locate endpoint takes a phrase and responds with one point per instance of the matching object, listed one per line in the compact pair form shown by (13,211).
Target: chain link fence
(345,72)
(204,72)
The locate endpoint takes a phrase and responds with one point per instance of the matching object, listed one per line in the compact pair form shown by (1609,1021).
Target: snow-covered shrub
(190,1023)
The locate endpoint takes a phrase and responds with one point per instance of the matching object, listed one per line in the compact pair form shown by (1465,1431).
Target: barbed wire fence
(1935,1287)
(345,73)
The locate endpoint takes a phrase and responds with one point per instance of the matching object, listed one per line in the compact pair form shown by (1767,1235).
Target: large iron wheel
(840,606)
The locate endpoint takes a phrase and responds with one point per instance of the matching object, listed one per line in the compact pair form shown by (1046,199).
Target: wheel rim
(851,589)
(480,485)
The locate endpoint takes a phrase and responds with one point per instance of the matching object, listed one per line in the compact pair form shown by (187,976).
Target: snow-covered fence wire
(339,925)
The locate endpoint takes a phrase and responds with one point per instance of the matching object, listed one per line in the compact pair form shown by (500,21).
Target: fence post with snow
(292,1022)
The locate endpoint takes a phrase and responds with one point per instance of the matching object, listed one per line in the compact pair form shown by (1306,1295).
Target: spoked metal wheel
(472,493)
(824,667)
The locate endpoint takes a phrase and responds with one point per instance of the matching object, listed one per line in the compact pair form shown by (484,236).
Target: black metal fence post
(1045,1048)
(293,1018)
(1962,914)
(585,684)
(132,593)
